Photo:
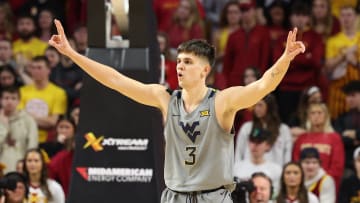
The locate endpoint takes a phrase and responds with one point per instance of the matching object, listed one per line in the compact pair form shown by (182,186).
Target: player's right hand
(59,40)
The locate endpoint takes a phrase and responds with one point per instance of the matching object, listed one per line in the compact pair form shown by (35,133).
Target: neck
(350,32)
(9,112)
(317,128)
(234,26)
(257,160)
(35,179)
(41,84)
(249,25)
(193,96)
(308,177)
(292,191)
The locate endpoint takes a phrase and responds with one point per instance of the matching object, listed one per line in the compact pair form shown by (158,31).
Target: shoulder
(312,198)
(26,88)
(55,88)
(337,37)
(247,125)
(53,184)
(26,116)
(61,155)
(328,180)
(283,126)
(17,43)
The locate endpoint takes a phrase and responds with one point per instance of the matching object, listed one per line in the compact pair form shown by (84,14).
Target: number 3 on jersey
(191,153)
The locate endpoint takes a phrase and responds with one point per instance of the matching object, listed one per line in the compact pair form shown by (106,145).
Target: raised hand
(293,47)
(60,41)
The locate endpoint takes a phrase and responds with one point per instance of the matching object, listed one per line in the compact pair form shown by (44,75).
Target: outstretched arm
(239,97)
(149,94)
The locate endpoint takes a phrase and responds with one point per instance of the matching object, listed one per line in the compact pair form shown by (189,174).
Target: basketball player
(198,120)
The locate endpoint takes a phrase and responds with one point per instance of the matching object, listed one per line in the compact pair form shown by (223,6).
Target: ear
(207,70)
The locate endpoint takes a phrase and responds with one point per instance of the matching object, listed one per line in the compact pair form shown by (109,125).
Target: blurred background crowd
(312,118)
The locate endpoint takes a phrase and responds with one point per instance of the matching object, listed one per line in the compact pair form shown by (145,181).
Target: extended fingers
(59,27)
(289,37)
(293,39)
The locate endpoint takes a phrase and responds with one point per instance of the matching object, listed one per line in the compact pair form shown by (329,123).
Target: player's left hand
(293,47)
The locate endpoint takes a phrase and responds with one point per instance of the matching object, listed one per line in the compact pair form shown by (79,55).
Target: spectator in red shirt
(186,24)
(321,135)
(305,70)
(246,47)
(164,10)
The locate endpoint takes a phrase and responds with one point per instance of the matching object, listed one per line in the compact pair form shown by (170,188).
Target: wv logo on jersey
(189,130)
(204,113)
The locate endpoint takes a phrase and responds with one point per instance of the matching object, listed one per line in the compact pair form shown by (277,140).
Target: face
(162,43)
(353,100)
(33,163)
(248,15)
(320,8)
(7,79)
(45,19)
(233,14)
(347,18)
(316,116)
(260,109)
(257,150)
(39,71)
(191,70)
(81,36)
(249,76)
(65,128)
(310,166)
(5,51)
(277,15)
(9,101)
(53,57)
(184,10)
(17,195)
(262,191)
(315,98)
(25,28)
(292,176)
(300,21)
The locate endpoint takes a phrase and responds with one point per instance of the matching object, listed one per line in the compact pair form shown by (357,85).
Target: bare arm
(153,94)
(46,122)
(232,99)
(331,63)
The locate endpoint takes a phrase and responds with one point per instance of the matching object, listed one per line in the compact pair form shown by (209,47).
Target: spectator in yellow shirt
(28,45)
(43,100)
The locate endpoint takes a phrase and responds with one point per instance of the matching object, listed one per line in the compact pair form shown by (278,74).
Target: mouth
(180,75)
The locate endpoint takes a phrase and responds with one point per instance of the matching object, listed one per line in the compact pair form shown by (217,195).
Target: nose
(179,66)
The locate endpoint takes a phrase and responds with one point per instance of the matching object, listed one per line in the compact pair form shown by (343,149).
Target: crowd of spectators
(304,137)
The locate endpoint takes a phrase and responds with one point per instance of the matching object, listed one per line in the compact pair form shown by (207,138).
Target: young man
(316,180)
(18,130)
(198,121)
(258,145)
(43,100)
